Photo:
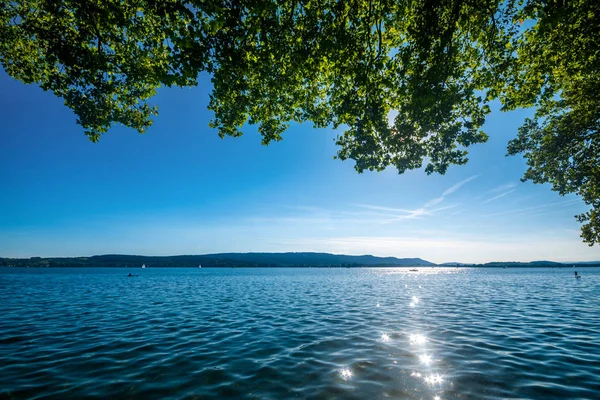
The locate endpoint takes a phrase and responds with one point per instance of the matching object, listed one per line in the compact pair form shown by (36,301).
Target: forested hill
(219,260)
(241,260)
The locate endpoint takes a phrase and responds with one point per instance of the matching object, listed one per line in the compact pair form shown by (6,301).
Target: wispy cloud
(421,212)
(426,210)
(457,212)
(397,214)
(499,196)
(382,208)
(534,209)
(342,217)
(502,188)
(458,185)
(449,191)
(498,189)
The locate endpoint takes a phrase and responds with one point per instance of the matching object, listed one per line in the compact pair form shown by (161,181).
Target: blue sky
(180,189)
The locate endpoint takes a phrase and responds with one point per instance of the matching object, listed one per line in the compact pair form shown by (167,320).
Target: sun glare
(425,359)
(346,373)
(433,379)
(417,338)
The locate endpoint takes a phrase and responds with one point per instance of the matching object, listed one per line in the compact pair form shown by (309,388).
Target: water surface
(442,333)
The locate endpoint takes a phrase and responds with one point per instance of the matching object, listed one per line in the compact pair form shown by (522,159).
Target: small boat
(413,270)
(143,266)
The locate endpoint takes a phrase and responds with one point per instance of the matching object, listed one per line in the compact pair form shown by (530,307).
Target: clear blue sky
(180,189)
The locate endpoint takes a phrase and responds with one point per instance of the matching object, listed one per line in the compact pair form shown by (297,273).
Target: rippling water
(300,333)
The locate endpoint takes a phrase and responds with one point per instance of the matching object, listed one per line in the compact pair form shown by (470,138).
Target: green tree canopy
(436,63)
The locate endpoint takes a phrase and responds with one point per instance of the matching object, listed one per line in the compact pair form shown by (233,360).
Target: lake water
(300,333)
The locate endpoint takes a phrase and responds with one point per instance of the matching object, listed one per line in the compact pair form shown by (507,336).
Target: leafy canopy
(435,64)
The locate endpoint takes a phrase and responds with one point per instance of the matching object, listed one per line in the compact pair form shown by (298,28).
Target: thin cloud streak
(408,213)
(501,188)
(499,196)
(382,208)
(335,218)
(425,210)
(422,212)
(434,202)
(357,214)
(529,210)
(449,191)
(458,185)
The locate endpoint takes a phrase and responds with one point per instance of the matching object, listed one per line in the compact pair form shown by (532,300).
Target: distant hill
(263,260)
(582,262)
(318,259)
(513,264)
(518,264)
(219,260)
(533,264)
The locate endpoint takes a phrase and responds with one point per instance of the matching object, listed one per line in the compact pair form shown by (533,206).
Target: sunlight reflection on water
(414,302)
(417,338)
(425,359)
(434,379)
(346,373)
(306,333)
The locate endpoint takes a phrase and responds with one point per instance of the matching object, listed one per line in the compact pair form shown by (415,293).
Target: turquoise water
(300,333)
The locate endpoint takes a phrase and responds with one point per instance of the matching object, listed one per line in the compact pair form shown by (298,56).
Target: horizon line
(305,252)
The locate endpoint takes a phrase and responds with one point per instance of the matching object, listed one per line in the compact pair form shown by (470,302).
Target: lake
(436,334)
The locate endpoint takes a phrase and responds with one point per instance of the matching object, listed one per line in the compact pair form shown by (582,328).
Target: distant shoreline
(310,267)
(265,260)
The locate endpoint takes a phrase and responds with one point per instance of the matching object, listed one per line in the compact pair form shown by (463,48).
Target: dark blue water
(300,333)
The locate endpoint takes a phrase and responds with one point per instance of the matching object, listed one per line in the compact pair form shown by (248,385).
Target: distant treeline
(532,264)
(223,260)
(258,260)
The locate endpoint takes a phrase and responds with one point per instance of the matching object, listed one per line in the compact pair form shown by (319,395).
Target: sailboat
(199,265)
(143,266)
